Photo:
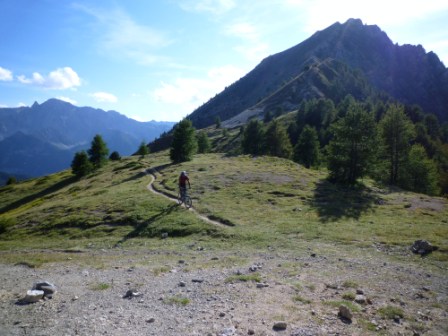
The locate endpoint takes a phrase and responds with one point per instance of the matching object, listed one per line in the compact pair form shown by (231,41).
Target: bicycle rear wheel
(188,202)
(179,199)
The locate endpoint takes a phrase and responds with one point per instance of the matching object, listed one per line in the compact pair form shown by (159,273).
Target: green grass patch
(99,286)
(349,296)
(352,306)
(301,299)
(390,312)
(244,277)
(350,284)
(177,300)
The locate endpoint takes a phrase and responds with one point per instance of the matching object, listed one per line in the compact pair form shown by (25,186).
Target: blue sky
(161,59)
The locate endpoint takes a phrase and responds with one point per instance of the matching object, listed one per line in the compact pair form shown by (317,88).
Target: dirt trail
(150,187)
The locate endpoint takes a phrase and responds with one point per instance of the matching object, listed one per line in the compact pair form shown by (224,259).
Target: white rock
(33,295)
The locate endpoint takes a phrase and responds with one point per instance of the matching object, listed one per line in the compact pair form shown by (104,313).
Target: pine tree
(277,141)
(252,142)
(396,131)
(203,142)
(143,150)
(81,164)
(306,150)
(421,172)
(98,151)
(184,144)
(115,156)
(351,152)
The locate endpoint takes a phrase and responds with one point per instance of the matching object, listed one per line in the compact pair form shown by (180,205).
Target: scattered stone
(313,255)
(397,319)
(423,247)
(228,332)
(361,299)
(359,292)
(182,284)
(332,286)
(164,235)
(151,320)
(197,280)
(181,261)
(33,296)
(222,314)
(132,293)
(280,326)
(254,268)
(251,332)
(48,288)
(262,285)
(345,313)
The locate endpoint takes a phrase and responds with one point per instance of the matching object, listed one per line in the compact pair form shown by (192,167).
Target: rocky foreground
(318,291)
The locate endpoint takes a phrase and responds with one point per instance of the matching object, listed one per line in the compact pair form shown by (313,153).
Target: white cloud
(68,100)
(318,14)
(104,97)
(120,35)
(59,79)
(189,93)
(215,7)
(244,30)
(5,74)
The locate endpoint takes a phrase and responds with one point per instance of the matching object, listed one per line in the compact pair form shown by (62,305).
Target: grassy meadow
(264,202)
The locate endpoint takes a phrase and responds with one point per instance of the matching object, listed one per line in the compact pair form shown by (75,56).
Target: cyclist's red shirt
(183,180)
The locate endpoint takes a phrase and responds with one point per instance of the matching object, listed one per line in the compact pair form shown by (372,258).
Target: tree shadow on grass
(143,226)
(336,201)
(55,187)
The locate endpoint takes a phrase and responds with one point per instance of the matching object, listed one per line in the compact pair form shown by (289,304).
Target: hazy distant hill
(350,58)
(42,139)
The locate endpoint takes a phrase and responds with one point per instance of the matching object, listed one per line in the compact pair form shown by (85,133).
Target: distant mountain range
(42,139)
(350,58)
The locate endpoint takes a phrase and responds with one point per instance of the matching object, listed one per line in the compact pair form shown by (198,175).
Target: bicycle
(184,198)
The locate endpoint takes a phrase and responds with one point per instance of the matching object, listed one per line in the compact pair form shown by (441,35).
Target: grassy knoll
(266,202)
(276,201)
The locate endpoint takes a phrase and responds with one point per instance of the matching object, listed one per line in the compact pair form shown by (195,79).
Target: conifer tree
(252,142)
(396,132)
(81,164)
(277,141)
(421,172)
(203,142)
(184,143)
(306,150)
(98,151)
(143,150)
(352,151)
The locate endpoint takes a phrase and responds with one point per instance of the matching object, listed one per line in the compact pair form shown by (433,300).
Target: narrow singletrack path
(150,187)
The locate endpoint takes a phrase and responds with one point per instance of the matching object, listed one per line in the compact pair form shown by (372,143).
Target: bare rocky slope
(200,292)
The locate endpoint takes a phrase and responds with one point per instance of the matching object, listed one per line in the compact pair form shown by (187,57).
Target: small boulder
(361,299)
(423,247)
(132,293)
(345,313)
(48,288)
(280,326)
(33,296)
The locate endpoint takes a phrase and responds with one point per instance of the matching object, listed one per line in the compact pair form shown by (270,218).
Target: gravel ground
(191,294)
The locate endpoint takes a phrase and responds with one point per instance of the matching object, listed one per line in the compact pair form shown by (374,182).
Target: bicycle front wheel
(188,202)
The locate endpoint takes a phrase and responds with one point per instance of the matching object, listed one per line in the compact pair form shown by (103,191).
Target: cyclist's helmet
(184,173)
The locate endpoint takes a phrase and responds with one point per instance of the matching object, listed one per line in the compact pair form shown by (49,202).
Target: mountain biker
(183,179)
